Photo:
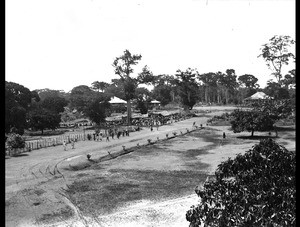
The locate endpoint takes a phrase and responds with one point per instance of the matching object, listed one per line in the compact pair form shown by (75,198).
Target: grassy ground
(102,196)
(124,180)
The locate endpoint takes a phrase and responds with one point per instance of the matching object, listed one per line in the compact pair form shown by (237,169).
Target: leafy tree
(70,115)
(218,87)
(277,53)
(99,86)
(18,93)
(261,116)
(250,91)
(254,189)
(17,102)
(123,68)
(41,119)
(97,110)
(209,81)
(46,92)
(35,96)
(14,141)
(187,87)
(248,81)
(274,90)
(276,109)
(247,86)
(282,93)
(146,76)
(17,120)
(116,88)
(289,80)
(164,88)
(80,97)
(251,121)
(54,103)
(229,83)
(163,94)
(143,97)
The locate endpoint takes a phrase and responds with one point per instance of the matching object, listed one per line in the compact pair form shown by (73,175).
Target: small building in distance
(154,104)
(118,105)
(116,100)
(257,96)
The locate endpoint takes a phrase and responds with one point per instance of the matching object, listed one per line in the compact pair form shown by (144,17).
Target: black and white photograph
(150,113)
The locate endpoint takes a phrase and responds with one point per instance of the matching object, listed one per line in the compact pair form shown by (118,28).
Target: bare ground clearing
(152,186)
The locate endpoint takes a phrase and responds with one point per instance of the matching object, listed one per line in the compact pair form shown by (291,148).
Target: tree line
(45,108)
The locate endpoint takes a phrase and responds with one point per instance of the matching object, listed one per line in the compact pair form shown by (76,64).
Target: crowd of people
(118,128)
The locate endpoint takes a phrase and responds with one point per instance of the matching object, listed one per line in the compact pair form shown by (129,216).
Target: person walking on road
(73,143)
(65,145)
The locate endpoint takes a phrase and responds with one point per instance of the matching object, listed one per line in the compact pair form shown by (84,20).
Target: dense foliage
(251,121)
(15,141)
(261,116)
(17,102)
(143,98)
(277,109)
(55,104)
(222,117)
(41,119)
(80,97)
(46,93)
(97,109)
(254,189)
(187,87)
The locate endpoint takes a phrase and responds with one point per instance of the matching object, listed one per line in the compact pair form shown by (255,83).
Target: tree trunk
(226,96)
(252,133)
(128,112)
(206,94)
(218,96)
(173,96)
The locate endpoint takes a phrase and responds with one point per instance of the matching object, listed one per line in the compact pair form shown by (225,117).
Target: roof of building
(116,100)
(155,101)
(258,95)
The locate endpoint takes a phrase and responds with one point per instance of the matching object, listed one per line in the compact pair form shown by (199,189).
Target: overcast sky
(60,44)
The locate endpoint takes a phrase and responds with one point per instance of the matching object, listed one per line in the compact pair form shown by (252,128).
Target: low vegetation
(254,189)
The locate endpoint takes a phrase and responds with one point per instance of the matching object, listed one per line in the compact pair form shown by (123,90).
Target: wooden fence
(47,142)
(54,141)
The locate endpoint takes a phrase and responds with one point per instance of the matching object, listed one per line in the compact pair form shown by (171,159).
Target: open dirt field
(152,185)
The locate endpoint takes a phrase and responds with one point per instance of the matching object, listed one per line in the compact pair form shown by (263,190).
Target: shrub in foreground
(254,189)
(14,141)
